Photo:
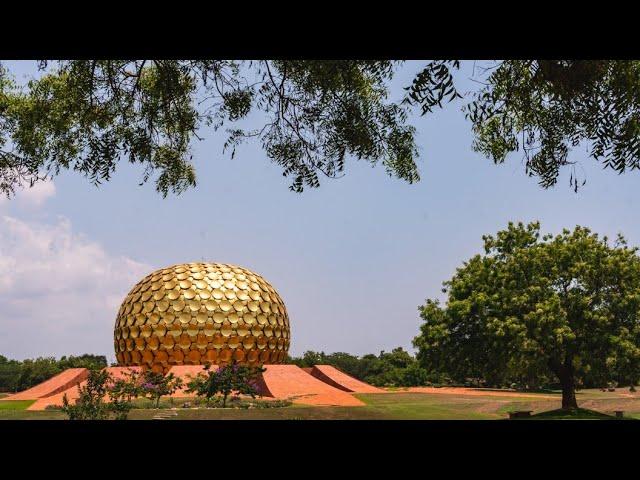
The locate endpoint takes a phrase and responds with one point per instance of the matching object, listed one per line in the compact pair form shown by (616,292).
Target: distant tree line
(16,375)
(397,368)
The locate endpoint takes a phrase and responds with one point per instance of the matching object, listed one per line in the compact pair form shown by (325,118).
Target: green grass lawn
(380,406)
(17,410)
(15,404)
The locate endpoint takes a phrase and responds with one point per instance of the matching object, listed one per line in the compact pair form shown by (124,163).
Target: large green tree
(310,116)
(565,305)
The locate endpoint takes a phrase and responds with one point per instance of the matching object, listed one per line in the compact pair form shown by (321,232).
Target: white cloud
(59,291)
(33,197)
(38,194)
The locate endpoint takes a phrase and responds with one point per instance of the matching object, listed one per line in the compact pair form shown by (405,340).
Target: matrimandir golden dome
(197,313)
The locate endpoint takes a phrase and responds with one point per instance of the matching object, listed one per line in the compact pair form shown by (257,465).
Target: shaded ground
(452,405)
(476,392)
(378,407)
(579,414)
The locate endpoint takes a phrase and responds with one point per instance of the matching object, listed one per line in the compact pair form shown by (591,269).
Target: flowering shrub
(154,385)
(128,387)
(226,380)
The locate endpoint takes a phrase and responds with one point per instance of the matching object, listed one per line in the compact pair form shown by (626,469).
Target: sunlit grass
(380,406)
(16,404)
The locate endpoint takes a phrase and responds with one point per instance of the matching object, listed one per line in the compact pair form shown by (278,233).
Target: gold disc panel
(197,313)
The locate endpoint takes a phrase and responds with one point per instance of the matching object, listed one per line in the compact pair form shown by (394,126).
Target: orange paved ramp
(72,391)
(341,380)
(293,383)
(278,381)
(59,383)
(43,403)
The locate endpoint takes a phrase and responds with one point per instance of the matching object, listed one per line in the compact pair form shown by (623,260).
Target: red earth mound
(322,385)
(59,383)
(334,377)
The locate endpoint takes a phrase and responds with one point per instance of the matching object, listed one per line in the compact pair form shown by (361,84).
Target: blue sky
(352,260)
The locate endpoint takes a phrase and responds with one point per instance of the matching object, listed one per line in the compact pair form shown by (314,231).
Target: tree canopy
(532,306)
(313,115)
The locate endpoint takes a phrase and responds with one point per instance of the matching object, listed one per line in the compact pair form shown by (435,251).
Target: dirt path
(477,392)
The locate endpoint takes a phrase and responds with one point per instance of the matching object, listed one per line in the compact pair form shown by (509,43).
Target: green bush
(226,380)
(273,404)
(90,404)
(154,385)
(217,402)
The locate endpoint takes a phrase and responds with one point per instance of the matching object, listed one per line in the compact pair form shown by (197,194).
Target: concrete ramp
(341,380)
(56,384)
(292,383)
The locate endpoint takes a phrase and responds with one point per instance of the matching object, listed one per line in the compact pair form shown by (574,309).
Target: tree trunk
(565,374)
(569,394)
(568,383)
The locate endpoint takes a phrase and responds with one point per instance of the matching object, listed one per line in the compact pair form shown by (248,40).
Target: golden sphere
(197,313)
